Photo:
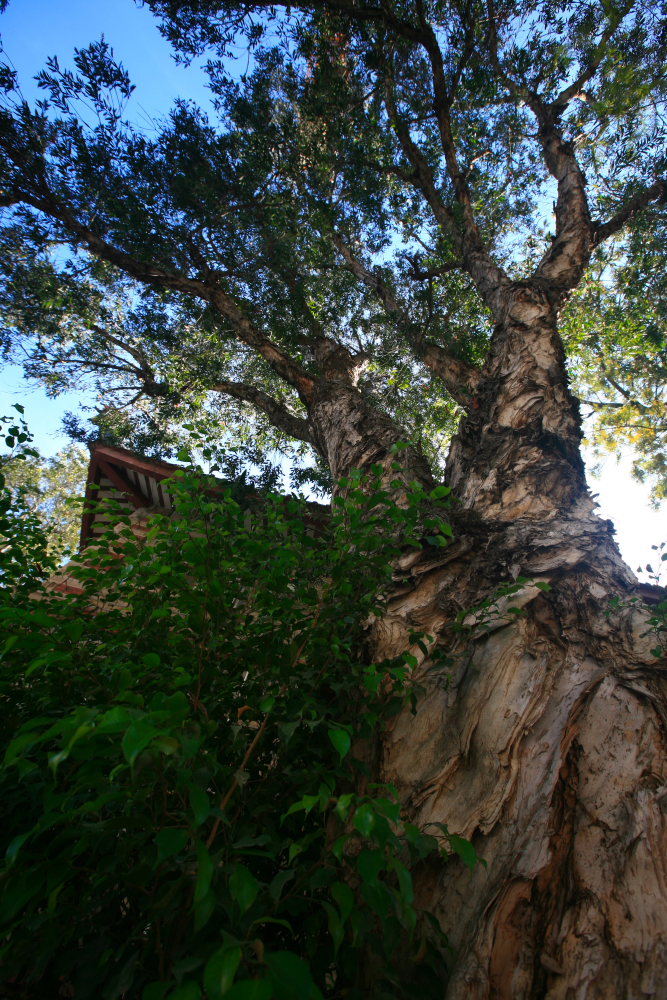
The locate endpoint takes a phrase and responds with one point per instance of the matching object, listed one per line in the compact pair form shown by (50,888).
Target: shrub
(188,787)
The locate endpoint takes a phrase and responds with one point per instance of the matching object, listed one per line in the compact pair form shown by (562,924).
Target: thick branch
(490,279)
(657,192)
(423,175)
(442,100)
(279,415)
(160,277)
(563,99)
(460,378)
(564,263)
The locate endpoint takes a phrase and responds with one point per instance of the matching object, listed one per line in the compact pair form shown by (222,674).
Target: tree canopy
(371,178)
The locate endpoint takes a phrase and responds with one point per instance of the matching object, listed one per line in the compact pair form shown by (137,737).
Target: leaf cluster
(188,774)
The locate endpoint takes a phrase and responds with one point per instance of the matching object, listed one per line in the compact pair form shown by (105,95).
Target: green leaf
(204,909)
(464,849)
(243,887)
(170,842)
(344,897)
(339,845)
(335,926)
(340,738)
(290,977)
(220,971)
(287,729)
(204,872)
(137,737)
(306,804)
(199,804)
(370,864)
(15,846)
(343,804)
(278,883)
(439,492)
(186,991)
(364,820)
(251,989)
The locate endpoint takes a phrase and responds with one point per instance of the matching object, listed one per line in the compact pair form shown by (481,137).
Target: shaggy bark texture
(544,743)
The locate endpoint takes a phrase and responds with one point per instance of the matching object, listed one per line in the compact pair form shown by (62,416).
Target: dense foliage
(51,487)
(187,785)
(358,161)
(614,328)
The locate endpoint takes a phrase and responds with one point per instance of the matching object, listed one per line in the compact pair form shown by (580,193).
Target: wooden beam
(138,500)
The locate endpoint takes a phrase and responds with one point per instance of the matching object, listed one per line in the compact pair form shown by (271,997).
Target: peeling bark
(545,742)
(546,748)
(517,451)
(352,434)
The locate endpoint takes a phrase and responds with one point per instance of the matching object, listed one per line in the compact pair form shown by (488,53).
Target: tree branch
(425,274)
(560,102)
(279,415)
(490,279)
(356,12)
(423,175)
(160,277)
(460,378)
(657,192)
(564,263)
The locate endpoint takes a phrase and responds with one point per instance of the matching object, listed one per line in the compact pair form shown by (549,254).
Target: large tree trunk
(545,742)
(546,748)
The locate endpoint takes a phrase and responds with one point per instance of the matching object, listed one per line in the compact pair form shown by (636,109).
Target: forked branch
(460,378)
(279,415)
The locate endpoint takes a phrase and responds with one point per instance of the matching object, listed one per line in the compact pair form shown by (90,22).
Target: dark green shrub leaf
(344,898)
(244,887)
(186,991)
(290,977)
(199,804)
(341,741)
(251,989)
(204,872)
(137,737)
(220,971)
(464,849)
(364,819)
(170,842)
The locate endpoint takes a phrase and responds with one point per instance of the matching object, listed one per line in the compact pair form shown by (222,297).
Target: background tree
(358,243)
(614,327)
(50,488)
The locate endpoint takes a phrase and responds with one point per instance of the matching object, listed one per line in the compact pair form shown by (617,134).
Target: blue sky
(33,30)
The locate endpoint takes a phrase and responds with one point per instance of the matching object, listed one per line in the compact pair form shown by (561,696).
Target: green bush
(188,788)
